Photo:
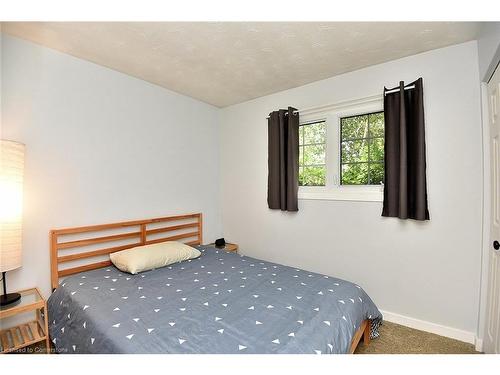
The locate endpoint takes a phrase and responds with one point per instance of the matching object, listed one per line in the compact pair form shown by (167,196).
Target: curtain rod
(397,89)
(349,102)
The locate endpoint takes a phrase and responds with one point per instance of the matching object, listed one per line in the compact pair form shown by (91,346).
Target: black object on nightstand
(220,242)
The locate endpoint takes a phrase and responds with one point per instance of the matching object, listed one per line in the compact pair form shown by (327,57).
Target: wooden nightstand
(230,247)
(29,333)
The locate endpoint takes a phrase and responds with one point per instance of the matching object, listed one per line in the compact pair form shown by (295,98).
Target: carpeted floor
(397,339)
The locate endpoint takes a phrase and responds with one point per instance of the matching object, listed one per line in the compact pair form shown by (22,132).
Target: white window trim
(332,189)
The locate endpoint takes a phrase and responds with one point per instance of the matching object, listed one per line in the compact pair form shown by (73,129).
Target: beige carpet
(397,339)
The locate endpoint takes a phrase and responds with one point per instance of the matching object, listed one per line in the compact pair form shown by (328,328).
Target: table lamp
(11,206)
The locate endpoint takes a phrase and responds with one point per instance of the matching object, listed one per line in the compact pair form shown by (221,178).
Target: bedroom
(130,122)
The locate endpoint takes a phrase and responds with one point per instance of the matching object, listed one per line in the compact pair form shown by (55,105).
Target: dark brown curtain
(405,188)
(283,160)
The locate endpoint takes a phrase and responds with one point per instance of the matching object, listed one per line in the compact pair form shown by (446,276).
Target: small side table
(230,247)
(29,333)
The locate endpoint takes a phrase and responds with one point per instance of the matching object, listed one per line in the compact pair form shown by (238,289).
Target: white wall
(428,271)
(101,147)
(488,48)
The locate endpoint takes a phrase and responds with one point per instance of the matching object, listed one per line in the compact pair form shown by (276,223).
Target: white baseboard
(438,329)
(479,344)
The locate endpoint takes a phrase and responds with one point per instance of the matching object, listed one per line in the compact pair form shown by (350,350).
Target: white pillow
(147,257)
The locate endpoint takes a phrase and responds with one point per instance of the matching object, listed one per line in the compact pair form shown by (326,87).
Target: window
(342,151)
(362,149)
(312,154)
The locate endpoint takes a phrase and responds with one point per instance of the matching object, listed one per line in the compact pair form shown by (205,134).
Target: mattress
(218,303)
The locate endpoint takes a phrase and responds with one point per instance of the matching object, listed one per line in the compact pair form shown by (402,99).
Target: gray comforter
(219,303)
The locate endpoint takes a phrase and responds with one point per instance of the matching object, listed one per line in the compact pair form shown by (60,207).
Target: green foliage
(355,174)
(377,149)
(312,154)
(362,149)
(314,133)
(376,173)
(376,121)
(355,151)
(354,127)
(312,176)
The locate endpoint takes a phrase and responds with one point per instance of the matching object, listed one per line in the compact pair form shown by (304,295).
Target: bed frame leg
(366,334)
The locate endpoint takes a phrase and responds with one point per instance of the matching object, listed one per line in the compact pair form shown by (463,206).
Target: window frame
(302,123)
(333,190)
(369,138)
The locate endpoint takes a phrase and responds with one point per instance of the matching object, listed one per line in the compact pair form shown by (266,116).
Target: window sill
(360,194)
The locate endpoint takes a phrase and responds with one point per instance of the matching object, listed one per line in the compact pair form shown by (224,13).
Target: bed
(220,302)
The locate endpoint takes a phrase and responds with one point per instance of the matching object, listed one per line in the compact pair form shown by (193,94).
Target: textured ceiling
(226,63)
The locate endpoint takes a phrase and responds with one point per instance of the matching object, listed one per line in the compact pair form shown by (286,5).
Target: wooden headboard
(77,245)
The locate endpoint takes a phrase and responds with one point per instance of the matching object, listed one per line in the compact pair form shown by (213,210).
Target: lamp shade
(11,204)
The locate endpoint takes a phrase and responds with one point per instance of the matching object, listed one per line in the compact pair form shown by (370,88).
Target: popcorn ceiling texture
(226,63)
